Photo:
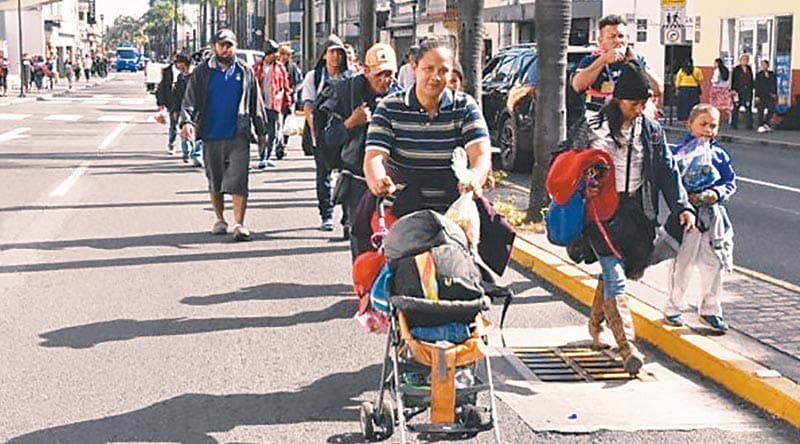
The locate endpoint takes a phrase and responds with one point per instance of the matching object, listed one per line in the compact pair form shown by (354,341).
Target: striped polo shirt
(419,144)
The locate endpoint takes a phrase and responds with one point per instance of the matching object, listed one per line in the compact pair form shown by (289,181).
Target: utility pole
(175,29)
(366,30)
(414,22)
(19,26)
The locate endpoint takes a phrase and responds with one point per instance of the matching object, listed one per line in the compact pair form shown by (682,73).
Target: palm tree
(469,51)
(552,36)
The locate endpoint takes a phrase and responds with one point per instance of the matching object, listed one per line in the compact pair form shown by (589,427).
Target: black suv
(509,83)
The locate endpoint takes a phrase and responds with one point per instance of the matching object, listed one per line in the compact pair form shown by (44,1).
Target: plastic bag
(290,127)
(161,116)
(464,211)
(694,162)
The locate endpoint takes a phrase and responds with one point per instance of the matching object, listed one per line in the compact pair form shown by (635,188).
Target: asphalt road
(124,320)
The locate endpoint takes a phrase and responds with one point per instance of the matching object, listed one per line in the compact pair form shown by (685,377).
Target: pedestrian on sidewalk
(169,97)
(4,73)
(332,65)
(766,88)
(221,104)
(350,103)
(406,76)
(597,74)
(709,179)
(742,85)
(643,169)
(277,94)
(720,96)
(688,82)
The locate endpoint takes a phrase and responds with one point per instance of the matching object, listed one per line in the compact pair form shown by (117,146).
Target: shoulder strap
(628,163)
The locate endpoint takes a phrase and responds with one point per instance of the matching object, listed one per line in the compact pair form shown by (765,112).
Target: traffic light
(90,14)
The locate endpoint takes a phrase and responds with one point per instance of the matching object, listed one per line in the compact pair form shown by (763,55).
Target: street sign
(673,22)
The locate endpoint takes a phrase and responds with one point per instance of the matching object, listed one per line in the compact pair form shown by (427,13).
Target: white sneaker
(762,129)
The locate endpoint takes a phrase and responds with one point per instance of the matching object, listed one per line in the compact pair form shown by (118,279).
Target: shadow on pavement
(95,206)
(171,259)
(193,417)
(270,292)
(87,336)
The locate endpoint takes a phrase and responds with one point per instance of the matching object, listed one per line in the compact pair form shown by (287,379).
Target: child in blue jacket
(709,179)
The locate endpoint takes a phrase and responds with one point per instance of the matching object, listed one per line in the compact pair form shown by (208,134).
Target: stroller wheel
(386,419)
(470,416)
(367,420)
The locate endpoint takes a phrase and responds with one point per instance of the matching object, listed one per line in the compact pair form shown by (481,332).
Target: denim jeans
(613,276)
(272,133)
(192,149)
(324,198)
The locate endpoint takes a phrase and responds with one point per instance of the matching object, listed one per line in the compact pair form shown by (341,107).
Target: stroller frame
(386,416)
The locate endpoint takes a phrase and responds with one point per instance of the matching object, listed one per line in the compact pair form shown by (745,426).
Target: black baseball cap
(224,36)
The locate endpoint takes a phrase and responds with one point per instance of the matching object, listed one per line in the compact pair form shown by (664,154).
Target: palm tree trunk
(366,29)
(469,51)
(552,36)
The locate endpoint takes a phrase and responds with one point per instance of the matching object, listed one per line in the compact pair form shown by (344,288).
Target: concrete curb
(793,146)
(779,396)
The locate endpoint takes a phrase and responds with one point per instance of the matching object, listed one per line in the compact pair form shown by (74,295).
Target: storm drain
(572,364)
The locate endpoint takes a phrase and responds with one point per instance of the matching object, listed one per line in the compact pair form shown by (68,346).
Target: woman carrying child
(709,179)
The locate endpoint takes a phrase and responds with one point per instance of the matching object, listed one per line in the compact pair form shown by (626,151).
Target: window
(641,30)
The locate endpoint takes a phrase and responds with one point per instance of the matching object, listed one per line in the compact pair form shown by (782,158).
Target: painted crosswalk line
(16,133)
(95,102)
(64,117)
(115,118)
(10,116)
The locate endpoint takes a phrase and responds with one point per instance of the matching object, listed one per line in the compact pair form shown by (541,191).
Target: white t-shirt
(406,77)
(602,139)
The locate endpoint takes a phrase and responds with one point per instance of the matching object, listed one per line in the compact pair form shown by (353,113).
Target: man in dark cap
(331,66)
(221,104)
(643,170)
(169,95)
(277,93)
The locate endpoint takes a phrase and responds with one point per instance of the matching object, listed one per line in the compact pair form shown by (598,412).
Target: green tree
(125,30)
(553,19)
(157,25)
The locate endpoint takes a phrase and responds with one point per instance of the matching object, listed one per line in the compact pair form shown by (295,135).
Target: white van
(249,56)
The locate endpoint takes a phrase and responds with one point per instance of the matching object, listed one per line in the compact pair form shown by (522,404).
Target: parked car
(509,85)
(250,56)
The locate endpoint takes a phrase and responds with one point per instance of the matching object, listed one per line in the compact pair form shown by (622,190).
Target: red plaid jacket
(282,94)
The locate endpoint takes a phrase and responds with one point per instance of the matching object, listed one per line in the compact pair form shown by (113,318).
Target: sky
(114,8)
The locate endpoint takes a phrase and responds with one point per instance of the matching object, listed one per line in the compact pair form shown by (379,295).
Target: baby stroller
(432,358)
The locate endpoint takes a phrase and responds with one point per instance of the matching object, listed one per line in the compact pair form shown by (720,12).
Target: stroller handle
(377,237)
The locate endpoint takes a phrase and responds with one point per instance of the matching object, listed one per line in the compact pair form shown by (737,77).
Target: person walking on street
(643,170)
(597,73)
(4,73)
(221,104)
(277,93)
(720,96)
(169,96)
(742,86)
(688,81)
(355,99)
(766,88)
(406,77)
(295,81)
(710,181)
(332,65)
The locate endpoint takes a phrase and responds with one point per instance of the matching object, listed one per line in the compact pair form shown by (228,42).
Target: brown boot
(596,319)
(621,324)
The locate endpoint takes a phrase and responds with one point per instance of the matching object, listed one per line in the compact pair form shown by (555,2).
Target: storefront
(765,31)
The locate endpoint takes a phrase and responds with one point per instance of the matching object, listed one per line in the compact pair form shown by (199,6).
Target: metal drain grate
(572,364)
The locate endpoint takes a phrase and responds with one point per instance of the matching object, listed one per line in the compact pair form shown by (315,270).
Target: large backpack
(430,258)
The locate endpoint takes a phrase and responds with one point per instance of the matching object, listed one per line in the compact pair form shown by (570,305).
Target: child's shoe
(716,322)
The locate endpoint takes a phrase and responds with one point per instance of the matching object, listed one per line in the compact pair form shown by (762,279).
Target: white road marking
(16,133)
(115,118)
(7,116)
(131,102)
(151,119)
(769,184)
(110,138)
(64,117)
(65,186)
(95,102)
(58,102)
(101,96)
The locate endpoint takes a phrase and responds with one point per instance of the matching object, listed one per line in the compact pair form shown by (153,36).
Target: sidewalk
(59,90)
(784,139)
(759,358)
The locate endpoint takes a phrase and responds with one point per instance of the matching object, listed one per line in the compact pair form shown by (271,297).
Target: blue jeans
(613,276)
(272,133)
(324,198)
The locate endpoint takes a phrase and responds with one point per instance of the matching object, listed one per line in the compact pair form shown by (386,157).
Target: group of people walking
(389,140)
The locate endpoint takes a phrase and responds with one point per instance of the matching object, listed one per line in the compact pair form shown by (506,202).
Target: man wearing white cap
(354,99)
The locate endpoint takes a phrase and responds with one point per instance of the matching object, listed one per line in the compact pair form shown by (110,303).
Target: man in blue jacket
(221,104)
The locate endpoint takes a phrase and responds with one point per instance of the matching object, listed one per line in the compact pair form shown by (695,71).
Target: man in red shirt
(277,93)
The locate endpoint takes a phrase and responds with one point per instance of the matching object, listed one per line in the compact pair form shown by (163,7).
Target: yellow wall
(712,12)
